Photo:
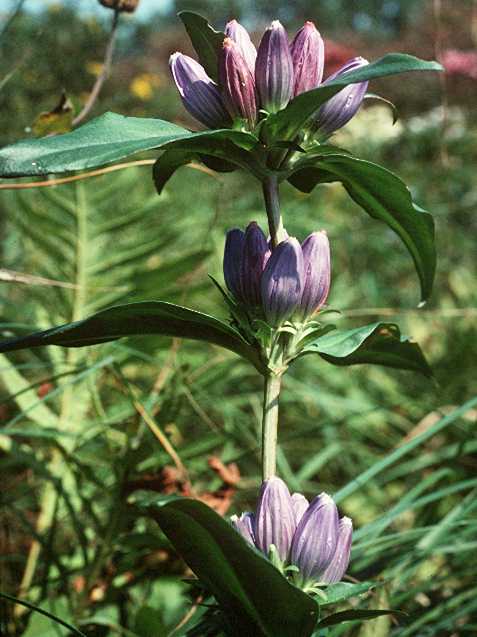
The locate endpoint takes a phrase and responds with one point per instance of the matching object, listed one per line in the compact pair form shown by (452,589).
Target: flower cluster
(308,539)
(290,283)
(253,81)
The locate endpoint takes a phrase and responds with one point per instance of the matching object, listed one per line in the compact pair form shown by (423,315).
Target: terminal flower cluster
(253,83)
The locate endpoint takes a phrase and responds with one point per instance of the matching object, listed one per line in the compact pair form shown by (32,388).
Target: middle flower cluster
(290,283)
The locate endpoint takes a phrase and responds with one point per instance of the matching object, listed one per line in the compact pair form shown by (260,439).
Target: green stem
(272,381)
(272,206)
(271,394)
(102,77)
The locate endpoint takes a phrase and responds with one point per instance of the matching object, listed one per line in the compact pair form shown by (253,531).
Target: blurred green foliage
(73,439)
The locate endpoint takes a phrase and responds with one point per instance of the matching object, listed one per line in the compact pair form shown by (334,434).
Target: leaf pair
(379,343)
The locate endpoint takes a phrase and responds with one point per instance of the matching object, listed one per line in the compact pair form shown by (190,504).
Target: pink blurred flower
(460,62)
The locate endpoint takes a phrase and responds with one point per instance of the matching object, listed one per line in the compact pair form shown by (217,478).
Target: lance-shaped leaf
(136,319)
(385,197)
(236,148)
(101,141)
(258,600)
(337,593)
(378,343)
(206,41)
(287,123)
(109,138)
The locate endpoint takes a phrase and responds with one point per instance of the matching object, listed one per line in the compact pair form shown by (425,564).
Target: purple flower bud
(237,83)
(255,254)
(340,560)
(317,272)
(282,282)
(244,525)
(238,34)
(338,110)
(315,539)
(300,505)
(308,54)
(200,95)
(232,260)
(274,69)
(274,518)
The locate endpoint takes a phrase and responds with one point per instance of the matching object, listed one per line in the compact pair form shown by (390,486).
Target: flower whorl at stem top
(293,282)
(310,537)
(266,80)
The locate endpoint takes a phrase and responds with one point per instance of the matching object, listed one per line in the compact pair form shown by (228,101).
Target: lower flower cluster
(307,540)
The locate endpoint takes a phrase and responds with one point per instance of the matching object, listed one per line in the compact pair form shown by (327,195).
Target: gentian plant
(266,111)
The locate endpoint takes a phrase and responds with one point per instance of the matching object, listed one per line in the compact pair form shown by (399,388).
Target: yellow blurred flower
(94,68)
(143,85)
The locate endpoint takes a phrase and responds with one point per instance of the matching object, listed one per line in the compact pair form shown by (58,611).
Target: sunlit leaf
(378,343)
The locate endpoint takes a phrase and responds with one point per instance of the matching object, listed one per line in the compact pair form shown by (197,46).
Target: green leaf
(219,165)
(392,107)
(356,615)
(342,591)
(256,597)
(385,197)
(112,137)
(206,41)
(167,164)
(223,145)
(378,343)
(288,122)
(134,319)
(101,141)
